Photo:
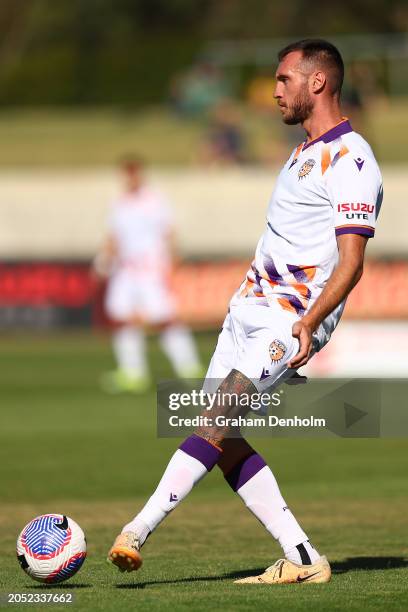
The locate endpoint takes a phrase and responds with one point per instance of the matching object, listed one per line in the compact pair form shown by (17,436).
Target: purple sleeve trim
(203,451)
(244,471)
(352,229)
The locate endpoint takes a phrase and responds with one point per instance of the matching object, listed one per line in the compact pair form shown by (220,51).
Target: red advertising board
(203,289)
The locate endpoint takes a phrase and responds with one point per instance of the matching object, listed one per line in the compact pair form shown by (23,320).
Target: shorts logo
(306,168)
(276,350)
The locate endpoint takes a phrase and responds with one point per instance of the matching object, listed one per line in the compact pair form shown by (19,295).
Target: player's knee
(234,451)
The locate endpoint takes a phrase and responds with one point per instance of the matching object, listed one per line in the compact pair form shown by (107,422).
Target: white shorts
(257,341)
(129,295)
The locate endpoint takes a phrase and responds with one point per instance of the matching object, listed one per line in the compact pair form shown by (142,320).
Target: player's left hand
(303,333)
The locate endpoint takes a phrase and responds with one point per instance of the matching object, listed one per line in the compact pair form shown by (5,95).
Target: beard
(300,110)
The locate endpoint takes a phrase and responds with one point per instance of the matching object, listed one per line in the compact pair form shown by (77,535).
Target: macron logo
(359,163)
(265,374)
(173,497)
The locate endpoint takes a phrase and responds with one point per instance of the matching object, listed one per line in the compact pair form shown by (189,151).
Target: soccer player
(320,216)
(137,256)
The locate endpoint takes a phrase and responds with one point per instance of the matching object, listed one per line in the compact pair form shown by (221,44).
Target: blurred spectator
(358,91)
(352,99)
(260,93)
(224,143)
(197,91)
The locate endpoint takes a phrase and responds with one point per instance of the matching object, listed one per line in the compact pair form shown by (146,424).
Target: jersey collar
(344,127)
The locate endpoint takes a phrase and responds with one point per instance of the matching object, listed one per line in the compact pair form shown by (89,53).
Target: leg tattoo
(232,388)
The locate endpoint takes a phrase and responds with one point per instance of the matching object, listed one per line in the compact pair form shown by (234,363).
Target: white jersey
(139,285)
(140,223)
(328,187)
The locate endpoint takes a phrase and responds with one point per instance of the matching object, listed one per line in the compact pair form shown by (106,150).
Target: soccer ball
(51,548)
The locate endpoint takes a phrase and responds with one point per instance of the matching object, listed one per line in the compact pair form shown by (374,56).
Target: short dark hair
(322,53)
(130,162)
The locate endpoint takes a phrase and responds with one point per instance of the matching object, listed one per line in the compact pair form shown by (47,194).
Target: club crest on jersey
(306,168)
(276,350)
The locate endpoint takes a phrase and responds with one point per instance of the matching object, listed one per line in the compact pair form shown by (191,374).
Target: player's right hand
(303,333)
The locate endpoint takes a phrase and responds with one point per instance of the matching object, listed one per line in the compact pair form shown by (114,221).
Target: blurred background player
(224,143)
(137,257)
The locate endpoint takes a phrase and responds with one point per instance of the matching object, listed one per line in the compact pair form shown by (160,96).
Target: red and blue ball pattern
(66,569)
(51,548)
(44,539)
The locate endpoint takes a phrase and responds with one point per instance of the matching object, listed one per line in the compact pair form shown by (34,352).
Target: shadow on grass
(338,567)
(229,576)
(368,563)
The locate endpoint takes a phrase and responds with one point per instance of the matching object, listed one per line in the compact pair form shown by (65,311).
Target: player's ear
(318,81)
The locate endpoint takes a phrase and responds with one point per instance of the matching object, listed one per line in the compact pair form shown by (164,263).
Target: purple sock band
(200,449)
(244,471)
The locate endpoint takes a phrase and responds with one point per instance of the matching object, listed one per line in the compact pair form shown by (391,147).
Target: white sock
(303,554)
(189,464)
(178,344)
(129,349)
(256,485)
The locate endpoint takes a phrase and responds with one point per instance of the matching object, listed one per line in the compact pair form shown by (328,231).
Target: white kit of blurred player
(137,258)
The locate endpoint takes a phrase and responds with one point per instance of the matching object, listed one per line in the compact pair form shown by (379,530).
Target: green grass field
(77,137)
(65,447)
